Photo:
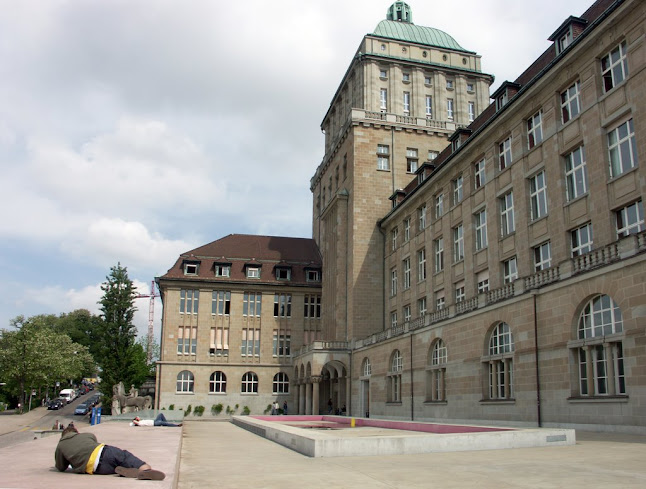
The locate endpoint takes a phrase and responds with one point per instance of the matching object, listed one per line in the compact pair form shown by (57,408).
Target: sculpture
(128,404)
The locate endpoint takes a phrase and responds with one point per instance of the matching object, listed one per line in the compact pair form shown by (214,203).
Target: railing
(500,294)
(596,258)
(437,316)
(542,278)
(466,305)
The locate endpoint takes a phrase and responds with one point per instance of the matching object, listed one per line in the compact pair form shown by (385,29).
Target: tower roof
(399,25)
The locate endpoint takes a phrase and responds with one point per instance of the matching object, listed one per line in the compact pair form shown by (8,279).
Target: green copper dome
(399,25)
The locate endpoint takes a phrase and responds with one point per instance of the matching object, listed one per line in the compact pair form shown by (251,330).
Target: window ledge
(185,393)
(435,403)
(627,172)
(248,393)
(580,197)
(497,401)
(393,403)
(538,219)
(598,399)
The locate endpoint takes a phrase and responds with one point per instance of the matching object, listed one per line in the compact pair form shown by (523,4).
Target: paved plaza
(217,454)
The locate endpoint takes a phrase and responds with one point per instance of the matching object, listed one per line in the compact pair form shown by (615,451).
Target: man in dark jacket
(86,455)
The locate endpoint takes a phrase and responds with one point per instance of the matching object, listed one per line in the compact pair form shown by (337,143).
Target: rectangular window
(564,41)
(538,196)
(421,307)
(282,343)
(383,100)
(253,272)
(186,340)
(457,190)
(504,153)
(406,264)
(459,292)
(393,281)
(189,301)
(614,67)
(481,229)
(439,206)
(576,174)
(312,307)
(570,104)
(507,223)
(393,319)
(383,157)
(427,80)
(283,273)
(405,77)
(219,342)
(250,344)
(190,269)
(411,160)
(313,276)
(510,270)
(421,214)
(222,270)
(421,265)
(621,146)
(283,305)
(449,84)
(393,238)
(251,304)
(483,281)
(449,109)
(581,240)
(383,73)
(542,257)
(221,302)
(479,173)
(458,243)
(406,229)
(406,103)
(407,314)
(470,87)
(438,246)
(472,111)
(439,300)
(630,219)
(429,107)
(432,154)
(535,130)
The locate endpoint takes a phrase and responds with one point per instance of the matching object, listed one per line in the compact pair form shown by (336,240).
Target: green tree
(120,359)
(81,326)
(34,356)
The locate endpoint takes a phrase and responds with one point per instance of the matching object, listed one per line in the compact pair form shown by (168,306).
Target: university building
(478,262)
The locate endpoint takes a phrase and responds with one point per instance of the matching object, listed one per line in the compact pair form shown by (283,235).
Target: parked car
(56,404)
(82,409)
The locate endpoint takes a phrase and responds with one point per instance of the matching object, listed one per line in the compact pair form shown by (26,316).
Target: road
(45,422)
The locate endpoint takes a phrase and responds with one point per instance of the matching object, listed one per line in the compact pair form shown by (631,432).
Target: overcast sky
(131,131)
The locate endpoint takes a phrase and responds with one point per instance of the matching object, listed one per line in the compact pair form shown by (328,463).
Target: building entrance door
(365,398)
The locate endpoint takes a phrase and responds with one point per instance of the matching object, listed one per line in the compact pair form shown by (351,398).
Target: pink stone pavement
(31,464)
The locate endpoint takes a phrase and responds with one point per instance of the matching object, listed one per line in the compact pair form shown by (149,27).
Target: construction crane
(151,316)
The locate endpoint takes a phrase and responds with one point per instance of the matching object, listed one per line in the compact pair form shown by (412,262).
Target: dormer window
(253,272)
(564,41)
(567,32)
(191,268)
(283,274)
(222,270)
(313,276)
(501,101)
(505,93)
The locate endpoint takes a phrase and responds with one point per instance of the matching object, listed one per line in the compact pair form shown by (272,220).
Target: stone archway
(334,388)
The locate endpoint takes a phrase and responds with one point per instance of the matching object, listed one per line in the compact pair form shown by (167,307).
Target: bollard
(351,422)
(93,417)
(98,415)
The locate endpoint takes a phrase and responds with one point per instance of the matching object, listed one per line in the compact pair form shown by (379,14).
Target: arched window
(366,368)
(218,382)
(185,381)
(281,383)
(436,372)
(598,349)
(499,363)
(395,377)
(249,383)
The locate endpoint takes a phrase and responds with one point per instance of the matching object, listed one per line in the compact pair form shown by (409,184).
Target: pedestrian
(329,406)
(85,455)
(273,408)
(285,407)
(56,426)
(276,407)
(160,420)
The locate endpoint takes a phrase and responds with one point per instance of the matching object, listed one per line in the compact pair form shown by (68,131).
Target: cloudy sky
(134,130)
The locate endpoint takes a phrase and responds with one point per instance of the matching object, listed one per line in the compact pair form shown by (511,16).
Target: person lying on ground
(160,420)
(85,455)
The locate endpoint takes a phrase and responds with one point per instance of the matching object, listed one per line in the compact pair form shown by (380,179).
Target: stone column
(315,394)
(301,397)
(308,397)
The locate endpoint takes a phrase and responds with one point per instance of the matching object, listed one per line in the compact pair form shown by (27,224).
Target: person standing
(285,407)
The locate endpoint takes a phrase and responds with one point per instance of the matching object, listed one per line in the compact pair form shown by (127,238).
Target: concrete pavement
(205,453)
